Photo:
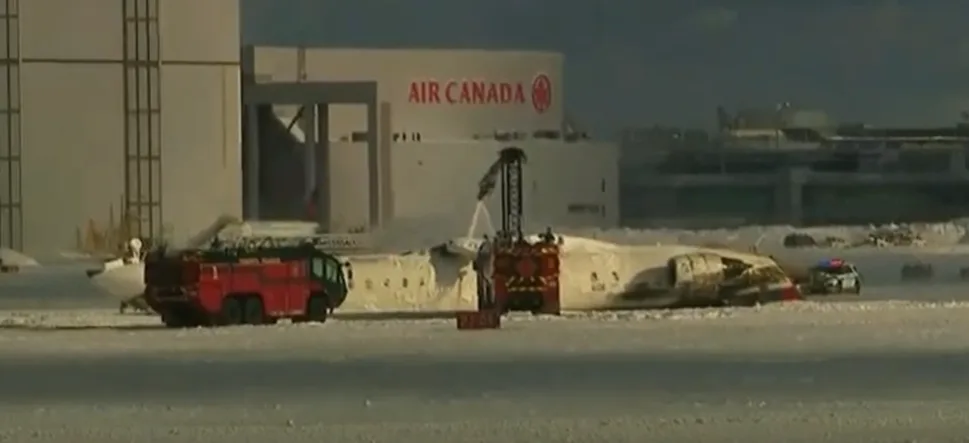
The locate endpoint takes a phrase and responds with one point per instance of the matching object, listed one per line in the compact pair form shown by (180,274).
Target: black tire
(317,309)
(176,319)
(232,312)
(172,321)
(254,313)
(857,287)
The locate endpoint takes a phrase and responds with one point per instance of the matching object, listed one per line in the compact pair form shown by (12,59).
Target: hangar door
(11,210)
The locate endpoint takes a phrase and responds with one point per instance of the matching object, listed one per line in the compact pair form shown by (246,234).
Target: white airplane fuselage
(593,275)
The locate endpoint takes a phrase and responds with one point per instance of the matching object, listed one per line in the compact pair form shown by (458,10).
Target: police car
(833,276)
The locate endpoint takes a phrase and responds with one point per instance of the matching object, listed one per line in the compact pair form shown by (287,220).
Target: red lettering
(466,92)
(519,93)
(505,94)
(492,94)
(433,92)
(414,96)
(449,92)
(478,92)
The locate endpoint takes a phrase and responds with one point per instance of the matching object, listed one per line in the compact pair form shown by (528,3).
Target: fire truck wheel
(317,309)
(232,311)
(171,320)
(254,313)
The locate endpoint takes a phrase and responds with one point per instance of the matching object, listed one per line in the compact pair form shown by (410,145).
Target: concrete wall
(201,113)
(122,110)
(73,118)
(403,73)
(566,184)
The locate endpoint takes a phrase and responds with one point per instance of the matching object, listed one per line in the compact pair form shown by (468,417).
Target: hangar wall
(424,87)
(436,182)
(453,101)
(118,107)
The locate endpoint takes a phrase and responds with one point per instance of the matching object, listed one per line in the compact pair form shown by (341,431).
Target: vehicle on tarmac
(833,276)
(256,280)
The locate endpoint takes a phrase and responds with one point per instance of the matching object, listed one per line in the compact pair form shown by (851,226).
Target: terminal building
(793,166)
(146,118)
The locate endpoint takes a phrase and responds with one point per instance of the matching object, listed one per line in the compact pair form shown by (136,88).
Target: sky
(644,62)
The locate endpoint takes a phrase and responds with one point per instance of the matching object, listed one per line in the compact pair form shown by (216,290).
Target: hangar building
(143,117)
(116,112)
(440,118)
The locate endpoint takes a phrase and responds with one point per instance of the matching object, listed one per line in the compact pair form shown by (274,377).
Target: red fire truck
(513,272)
(252,281)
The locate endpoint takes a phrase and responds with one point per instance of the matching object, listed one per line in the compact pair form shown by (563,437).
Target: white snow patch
(10,257)
(772,314)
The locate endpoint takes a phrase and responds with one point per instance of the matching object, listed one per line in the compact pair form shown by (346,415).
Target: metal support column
(386,166)
(11,195)
(321,165)
(307,122)
(309,147)
(373,168)
(250,176)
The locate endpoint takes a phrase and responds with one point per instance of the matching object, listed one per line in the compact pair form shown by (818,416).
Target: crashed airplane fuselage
(595,275)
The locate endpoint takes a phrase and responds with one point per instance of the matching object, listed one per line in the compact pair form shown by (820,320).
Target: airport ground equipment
(249,280)
(514,273)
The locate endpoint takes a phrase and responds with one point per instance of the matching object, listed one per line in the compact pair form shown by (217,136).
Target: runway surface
(886,372)
(854,371)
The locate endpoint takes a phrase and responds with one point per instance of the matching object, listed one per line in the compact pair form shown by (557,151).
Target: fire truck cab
(258,282)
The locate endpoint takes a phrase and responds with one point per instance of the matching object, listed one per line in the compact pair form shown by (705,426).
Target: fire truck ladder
(322,242)
(509,168)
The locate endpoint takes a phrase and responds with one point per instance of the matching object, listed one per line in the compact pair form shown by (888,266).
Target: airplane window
(421,283)
(595,276)
(386,282)
(404,283)
(615,276)
(368,284)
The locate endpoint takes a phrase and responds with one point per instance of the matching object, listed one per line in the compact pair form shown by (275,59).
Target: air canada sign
(537,93)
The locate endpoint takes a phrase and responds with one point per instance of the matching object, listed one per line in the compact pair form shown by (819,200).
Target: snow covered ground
(893,367)
(801,372)
(946,235)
